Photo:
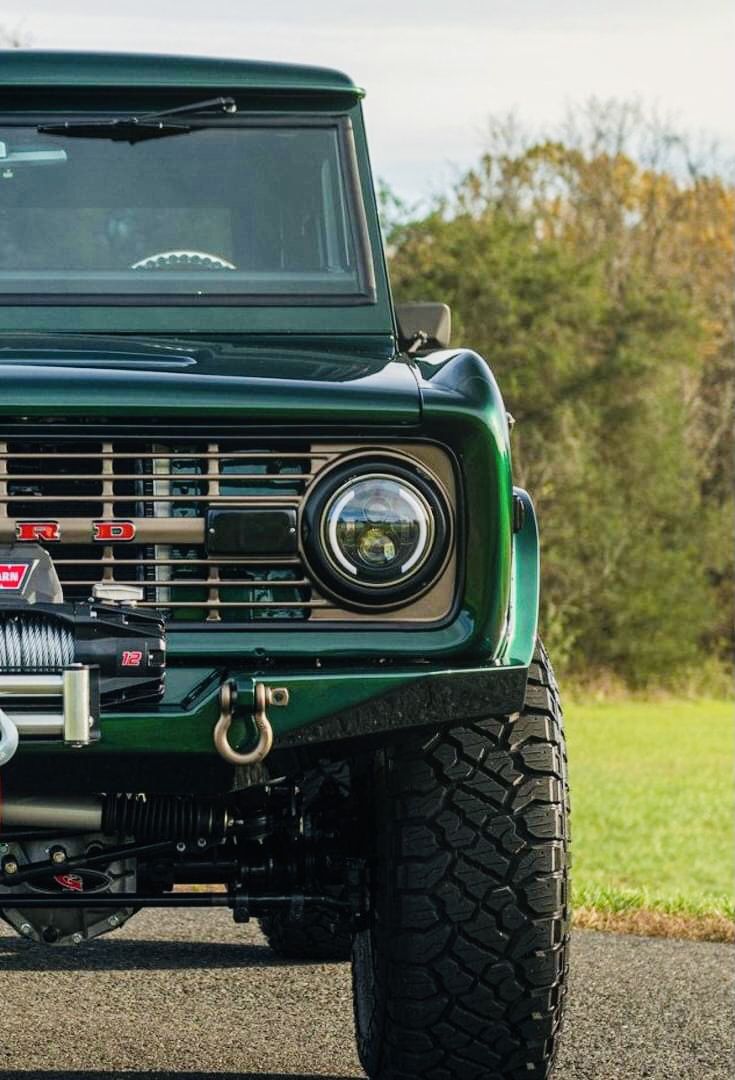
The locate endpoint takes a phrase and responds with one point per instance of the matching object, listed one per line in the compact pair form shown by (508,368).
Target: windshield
(268,212)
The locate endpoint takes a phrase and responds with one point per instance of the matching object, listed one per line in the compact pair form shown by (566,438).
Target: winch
(77,656)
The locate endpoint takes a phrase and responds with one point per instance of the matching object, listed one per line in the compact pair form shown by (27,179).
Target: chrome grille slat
(224,584)
(194,477)
(108,490)
(249,455)
(276,605)
(3,481)
(289,560)
(213,465)
(95,497)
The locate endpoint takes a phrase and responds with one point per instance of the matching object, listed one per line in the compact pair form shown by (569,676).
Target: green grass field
(652,805)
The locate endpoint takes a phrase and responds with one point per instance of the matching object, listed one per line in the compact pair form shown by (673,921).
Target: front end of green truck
(261,558)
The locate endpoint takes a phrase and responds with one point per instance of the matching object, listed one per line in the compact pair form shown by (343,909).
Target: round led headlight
(376,533)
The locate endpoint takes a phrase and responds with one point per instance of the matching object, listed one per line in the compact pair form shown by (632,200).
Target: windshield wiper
(132,129)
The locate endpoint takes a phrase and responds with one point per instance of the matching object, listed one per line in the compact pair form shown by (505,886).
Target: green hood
(336,383)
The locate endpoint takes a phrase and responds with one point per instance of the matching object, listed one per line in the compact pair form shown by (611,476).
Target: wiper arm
(137,128)
(222,104)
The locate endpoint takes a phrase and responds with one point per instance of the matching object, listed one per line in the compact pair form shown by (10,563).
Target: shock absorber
(146,818)
(163,817)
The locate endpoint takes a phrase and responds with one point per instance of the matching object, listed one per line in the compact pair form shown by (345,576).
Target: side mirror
(424,326)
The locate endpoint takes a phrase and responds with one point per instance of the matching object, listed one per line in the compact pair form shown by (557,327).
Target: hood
(340,383)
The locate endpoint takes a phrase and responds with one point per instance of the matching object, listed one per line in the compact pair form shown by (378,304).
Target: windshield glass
(217,215)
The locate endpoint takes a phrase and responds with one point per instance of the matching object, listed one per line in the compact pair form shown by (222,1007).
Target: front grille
(164,487)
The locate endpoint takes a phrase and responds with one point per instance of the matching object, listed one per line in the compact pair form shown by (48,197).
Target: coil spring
(31,643)
(161,817)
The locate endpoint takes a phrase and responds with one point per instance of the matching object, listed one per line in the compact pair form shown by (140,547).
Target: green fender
(523,609)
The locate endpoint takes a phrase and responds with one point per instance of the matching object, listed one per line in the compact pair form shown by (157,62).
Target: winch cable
(30,643)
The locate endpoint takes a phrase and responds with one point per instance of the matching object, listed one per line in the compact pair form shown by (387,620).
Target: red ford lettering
(37,530)
(132,658)
(113,531)
(12,575)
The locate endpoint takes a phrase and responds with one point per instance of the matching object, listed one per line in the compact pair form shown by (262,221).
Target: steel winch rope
(28,643)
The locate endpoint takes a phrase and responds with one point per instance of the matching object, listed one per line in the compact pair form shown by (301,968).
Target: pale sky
(435,69)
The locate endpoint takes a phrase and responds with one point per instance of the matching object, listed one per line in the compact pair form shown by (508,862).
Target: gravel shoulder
(191,995)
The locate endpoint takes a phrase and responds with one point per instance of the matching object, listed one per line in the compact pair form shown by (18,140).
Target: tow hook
(265,697)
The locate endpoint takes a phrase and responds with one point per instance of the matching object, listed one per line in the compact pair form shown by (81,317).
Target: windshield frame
(366,294)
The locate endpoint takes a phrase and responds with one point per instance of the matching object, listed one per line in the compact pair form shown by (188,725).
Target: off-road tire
(317,935)
(461,973)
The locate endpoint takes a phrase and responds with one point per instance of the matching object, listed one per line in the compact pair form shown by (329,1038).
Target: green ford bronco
(268,596)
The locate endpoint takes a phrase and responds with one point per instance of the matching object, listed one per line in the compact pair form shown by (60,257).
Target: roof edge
(36,68)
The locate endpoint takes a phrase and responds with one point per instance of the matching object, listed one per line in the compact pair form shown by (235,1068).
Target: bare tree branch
(14,37)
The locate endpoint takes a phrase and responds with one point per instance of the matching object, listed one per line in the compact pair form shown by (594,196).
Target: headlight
(376,533)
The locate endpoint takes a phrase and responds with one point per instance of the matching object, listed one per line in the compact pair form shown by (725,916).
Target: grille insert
(164,488)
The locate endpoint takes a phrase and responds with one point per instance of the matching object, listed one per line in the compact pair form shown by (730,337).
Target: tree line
(593,271)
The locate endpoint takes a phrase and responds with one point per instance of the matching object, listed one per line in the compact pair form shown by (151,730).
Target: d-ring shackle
(264,697)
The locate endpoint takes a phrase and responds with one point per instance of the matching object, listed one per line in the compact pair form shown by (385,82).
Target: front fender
(462,407)
(523,607)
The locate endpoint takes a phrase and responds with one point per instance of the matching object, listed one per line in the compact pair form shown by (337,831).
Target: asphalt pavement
(191,995)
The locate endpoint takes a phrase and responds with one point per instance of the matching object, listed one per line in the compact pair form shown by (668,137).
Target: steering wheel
(177,260)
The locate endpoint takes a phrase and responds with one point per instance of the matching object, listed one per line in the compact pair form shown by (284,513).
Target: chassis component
(272,857)
(145,818)
(319,934)
(36,912)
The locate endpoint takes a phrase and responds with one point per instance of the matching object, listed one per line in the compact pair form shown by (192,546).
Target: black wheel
(461,974)
(317,935)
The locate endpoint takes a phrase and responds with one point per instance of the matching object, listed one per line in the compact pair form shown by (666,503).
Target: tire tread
(472,925)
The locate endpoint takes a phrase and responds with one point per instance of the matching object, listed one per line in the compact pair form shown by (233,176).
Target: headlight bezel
(362,593)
